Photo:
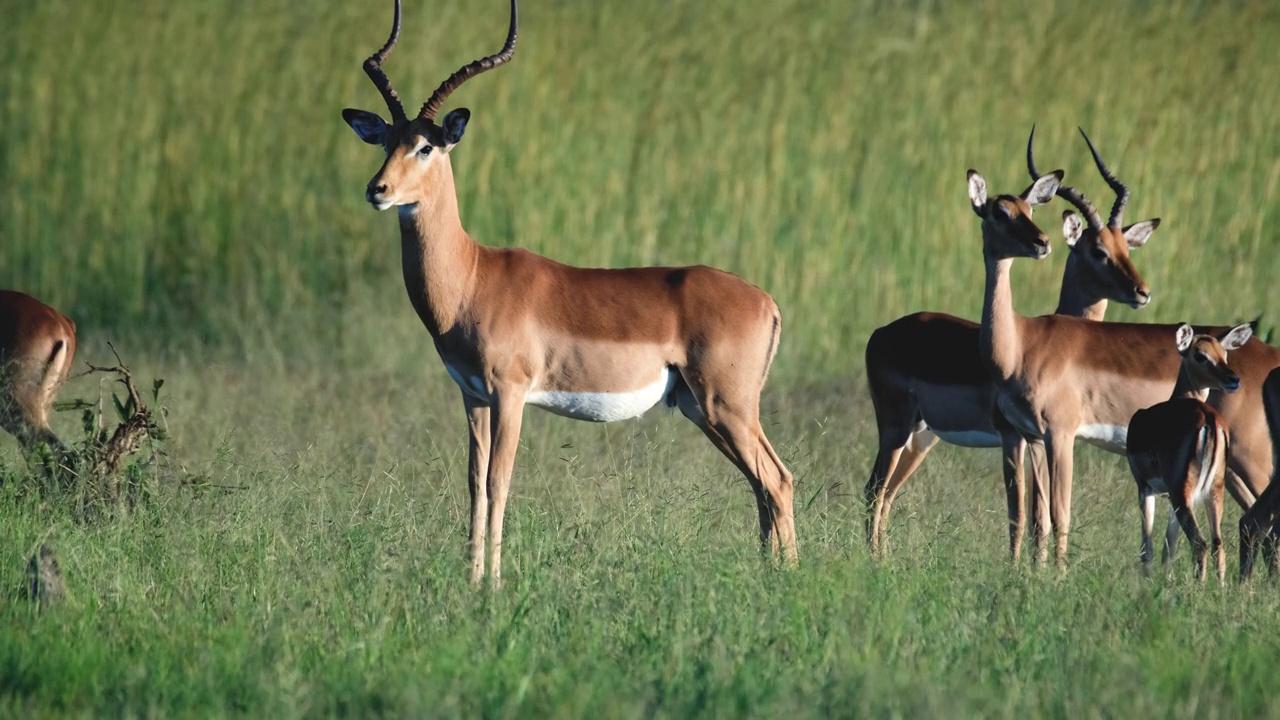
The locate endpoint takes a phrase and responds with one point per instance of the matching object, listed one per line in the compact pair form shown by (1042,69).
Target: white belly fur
(1112,438)
(604,406)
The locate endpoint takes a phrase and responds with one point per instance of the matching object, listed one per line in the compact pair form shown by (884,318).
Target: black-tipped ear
(454,124)
(369,126)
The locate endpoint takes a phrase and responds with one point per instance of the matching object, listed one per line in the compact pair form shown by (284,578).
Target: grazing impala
(1179,446)
(37,347)
(514,328)
(928,380)
(1059,378)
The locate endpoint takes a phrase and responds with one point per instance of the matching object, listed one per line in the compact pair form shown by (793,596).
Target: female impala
(928,381)
(1179,446)
(37,347)
(514,328)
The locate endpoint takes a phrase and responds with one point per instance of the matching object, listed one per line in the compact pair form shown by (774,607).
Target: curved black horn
(1122,192)
(432,107)
(1070,194)
(373,68)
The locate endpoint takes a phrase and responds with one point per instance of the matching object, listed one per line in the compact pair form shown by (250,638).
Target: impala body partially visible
(37,349)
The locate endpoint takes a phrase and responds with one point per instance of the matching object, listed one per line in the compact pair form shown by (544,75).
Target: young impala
(37,347)
(1179,446)
(928,381)
(514,328)
(1061,378)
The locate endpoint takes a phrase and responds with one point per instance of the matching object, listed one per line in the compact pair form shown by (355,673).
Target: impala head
(1102,251)
(418,148)
(1204,357)
(1007,228)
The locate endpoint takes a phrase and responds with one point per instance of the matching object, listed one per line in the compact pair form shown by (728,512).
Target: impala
(1059,378)
(514,328)
(1179,446)
(1258,527)
(37,347)
(928,381)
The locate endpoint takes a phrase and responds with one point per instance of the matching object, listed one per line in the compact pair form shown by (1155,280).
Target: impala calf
(1179,447)
(37,348)
(514,328)
(928,381)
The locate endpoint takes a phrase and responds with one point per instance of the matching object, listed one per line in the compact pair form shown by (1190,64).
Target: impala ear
(454,124)
(978,193)
(1183,337)
(1140,232)
(1237,336)
(1072,227)
(1043,189)
(369,126)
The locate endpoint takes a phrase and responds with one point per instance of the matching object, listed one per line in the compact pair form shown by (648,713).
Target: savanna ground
(176,177)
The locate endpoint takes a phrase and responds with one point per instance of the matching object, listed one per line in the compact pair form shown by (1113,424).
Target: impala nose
(374,192)
(1141,296)
(1231,384)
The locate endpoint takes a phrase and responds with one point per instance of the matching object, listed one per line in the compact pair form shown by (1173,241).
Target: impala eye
(1099,254)
(1200,358)
(425,151)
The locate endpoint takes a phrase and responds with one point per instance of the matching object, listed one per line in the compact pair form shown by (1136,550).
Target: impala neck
(1184,388)
(1075,301)
(438,256)
(1000,338)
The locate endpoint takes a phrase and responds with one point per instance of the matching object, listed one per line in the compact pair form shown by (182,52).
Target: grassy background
(177,177)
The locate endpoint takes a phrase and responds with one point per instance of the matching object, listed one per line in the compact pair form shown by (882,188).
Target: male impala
(1179,446)
(37,347)
(514,328)
(928,380)
(1059,378)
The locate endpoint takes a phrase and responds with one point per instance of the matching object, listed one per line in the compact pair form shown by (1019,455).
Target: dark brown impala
(515,328)
(37,348)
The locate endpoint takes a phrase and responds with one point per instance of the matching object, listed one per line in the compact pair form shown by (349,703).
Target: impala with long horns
(1061,378)
(928,381)
(515,328)
(37,348)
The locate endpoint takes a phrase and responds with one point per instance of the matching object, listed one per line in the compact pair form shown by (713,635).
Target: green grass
(178,178)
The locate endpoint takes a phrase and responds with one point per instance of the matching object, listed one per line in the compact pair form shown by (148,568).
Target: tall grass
(177,176)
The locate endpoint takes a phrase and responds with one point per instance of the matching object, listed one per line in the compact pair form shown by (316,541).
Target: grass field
(177,178)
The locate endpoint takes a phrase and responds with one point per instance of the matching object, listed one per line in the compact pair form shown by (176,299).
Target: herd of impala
(1194,408)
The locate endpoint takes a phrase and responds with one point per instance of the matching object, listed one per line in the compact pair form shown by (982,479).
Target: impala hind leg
(908,461)
(1147,509)
(1198,544)
(734,428)
(477,482)
(1171,533)
(1213,509)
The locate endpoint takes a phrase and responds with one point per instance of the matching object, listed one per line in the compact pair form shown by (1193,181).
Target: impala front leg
(1013,446)
(506,417)
(477,481)
(1040,518)
(1060,450)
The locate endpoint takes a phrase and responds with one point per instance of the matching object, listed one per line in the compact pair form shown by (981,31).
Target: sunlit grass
(177,177)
